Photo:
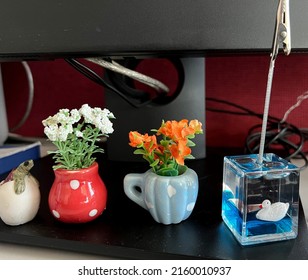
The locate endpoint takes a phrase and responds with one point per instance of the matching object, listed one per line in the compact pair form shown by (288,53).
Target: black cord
(244,111)
(125,83)
(86,71)
(120,85)
(277,134)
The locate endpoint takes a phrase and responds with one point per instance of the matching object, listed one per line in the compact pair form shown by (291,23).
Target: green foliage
(77,152)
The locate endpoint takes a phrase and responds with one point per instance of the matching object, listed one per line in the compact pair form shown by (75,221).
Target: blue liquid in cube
(246,184)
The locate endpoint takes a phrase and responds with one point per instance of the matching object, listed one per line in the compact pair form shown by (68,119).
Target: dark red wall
(243,80)
(56,85)
(240,79)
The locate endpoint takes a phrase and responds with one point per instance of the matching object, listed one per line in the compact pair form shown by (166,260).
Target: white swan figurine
(272,212)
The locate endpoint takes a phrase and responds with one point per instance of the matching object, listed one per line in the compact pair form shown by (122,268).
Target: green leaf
(191,136)
(165,143)
(189,157)
(154,163)
(167,172)
(182,169)
(190,143)
(139,152)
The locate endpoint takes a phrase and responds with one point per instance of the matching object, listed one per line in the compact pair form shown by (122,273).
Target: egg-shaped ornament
(20,195)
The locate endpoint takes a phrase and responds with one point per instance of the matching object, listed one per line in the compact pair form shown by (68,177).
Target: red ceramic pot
(77,196)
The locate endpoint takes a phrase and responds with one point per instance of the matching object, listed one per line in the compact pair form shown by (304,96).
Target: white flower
(77,125)
(64,131)
(51,132)
(86,112)
(59,126)
(75,116)
(98,117)
(58,132)
(79,129)
(105,126)
(79,134)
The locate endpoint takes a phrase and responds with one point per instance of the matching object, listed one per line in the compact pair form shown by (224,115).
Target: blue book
(11,155)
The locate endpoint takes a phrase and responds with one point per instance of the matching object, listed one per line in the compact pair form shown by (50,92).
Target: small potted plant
(169,189)
(78,193)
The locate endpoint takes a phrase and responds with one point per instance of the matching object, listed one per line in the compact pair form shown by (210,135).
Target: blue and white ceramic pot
(169,199)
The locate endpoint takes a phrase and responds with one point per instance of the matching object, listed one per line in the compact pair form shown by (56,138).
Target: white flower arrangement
(75,134)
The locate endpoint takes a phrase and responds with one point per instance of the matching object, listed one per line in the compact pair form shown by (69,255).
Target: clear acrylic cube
(260,202)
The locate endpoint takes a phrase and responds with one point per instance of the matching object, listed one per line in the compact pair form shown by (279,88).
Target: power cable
(30,97)
(279,134)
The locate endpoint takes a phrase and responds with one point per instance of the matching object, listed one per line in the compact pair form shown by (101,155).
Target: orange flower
(176,130)
(165,129)
(166,156)
(180,151)
(150,143)
(179,129)
(135,138)
(186,131)
(196,126)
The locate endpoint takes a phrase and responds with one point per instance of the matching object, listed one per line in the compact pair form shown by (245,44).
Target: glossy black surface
(126,230)
(49,29)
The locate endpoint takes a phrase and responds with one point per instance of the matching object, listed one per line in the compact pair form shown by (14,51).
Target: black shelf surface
(127,231)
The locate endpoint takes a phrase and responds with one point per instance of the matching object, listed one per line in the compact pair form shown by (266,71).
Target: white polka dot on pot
(74,184)
(93,212)
(56,213)
(190,206)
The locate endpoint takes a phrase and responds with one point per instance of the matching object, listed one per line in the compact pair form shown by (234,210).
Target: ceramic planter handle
(133,183)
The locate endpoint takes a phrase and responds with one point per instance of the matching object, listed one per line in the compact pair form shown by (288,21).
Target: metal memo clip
(282,30)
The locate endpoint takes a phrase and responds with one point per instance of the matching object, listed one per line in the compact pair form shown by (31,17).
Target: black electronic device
(50,29)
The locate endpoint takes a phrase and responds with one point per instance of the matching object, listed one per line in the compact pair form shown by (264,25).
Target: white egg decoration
(19,196)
